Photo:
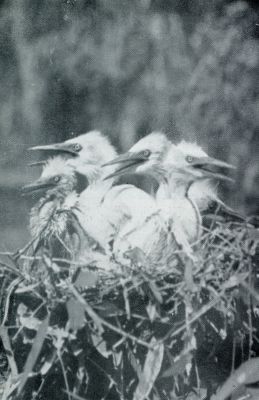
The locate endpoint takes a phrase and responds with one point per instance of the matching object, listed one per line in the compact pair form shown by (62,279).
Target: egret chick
(205,192)
(102,208)
(174,177)
(51,216)
(85,153)
(145,157)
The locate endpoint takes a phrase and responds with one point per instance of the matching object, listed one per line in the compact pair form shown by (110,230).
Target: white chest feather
(103,212)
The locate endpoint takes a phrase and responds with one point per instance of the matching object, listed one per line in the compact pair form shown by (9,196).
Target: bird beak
(210,161)
(37,163)
(221,210)
(129,161)
(36,186)
(58,147)
(209,167)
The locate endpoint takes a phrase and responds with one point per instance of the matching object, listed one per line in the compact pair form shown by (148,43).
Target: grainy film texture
(129,200)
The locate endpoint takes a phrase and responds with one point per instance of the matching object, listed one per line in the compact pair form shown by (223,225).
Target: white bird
(51,217)
(201,191)
(102,208)
(146,156)
(204,192)
(85,153)
(157,156)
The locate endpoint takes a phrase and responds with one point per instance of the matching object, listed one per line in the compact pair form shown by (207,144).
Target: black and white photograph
(129,200)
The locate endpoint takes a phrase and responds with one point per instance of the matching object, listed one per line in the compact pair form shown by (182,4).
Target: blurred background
(127,67)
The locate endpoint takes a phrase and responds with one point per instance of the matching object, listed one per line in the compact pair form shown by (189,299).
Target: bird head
(57,177)
(83,152)
(194,159)
(145,157)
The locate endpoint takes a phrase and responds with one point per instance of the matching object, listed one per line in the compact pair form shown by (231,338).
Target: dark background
(127,67)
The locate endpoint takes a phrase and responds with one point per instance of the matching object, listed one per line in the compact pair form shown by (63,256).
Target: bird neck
(202,192)
(177,191)
(93,172)
(51,197)
(178,187)
(196,213)
(159,174)
(48,204)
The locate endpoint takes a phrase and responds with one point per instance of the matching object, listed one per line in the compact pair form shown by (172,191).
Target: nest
(96,329)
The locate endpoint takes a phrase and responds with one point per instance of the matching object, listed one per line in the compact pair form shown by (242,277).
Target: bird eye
(146,153)
(77,147)
(189,159)
(56,179)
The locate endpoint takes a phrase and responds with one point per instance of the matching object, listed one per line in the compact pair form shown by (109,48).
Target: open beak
(127,163)
(36,186)
(210,167)
(57,147)
(210,161)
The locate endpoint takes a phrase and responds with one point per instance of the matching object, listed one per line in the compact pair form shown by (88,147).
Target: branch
(100,321)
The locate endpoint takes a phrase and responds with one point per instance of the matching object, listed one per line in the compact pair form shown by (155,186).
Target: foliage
(127,68)
(221,99)
(101,330)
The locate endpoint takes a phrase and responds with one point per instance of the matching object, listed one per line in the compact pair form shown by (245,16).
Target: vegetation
(96,329)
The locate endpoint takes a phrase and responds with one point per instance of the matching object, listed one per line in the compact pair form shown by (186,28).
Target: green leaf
(151,310)
(247,373)
(179,366)
(76,314)
(152,366)
(100,345)
(199,395)
(135,364)
(154,289)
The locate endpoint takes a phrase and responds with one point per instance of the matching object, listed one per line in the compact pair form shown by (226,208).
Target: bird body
(152,237)
(46,218)
(122,216)
(52,222)
(104,209)
(178,210)
(174,200)
(155,155)
(57,182)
